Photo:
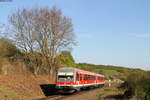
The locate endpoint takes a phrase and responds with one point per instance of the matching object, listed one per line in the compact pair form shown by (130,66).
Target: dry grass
(6,94)
(26,86)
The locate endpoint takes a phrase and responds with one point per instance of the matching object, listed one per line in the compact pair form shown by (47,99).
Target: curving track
(67,96)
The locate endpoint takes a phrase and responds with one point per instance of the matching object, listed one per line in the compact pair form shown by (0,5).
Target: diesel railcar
(70,79)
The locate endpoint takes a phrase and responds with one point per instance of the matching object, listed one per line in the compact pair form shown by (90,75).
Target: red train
(69,79)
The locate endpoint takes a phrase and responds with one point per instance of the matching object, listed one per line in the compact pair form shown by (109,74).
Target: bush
(66,59)
(7,48)
(138,85)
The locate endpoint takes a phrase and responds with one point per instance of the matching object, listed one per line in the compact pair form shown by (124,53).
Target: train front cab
(66,80)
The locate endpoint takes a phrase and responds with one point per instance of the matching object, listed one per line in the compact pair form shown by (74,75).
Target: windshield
(65,78)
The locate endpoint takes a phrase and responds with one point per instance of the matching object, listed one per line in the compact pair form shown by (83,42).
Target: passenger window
(77,76)
(89,77)
(84,76)
(80,76)
(94,78)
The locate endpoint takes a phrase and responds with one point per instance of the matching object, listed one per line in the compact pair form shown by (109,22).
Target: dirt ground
(27,87)
(90,95)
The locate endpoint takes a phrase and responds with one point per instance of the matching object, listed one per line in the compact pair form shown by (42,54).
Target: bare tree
(22,27)
(45,31)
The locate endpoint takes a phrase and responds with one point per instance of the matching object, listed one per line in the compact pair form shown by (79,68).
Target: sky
(108,32)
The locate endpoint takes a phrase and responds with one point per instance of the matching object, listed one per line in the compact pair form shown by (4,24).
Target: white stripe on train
(82,85)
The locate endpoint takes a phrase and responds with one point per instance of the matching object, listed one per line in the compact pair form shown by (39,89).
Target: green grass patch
(108,91)
(111,74)
(6,94)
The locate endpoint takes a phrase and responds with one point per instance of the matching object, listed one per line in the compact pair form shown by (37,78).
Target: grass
(6,94)
(111,74)
(108,91)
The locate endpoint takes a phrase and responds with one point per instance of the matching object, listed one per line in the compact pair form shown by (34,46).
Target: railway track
(54,97)
(61,97)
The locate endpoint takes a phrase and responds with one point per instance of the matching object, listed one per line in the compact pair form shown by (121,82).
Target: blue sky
(109,32)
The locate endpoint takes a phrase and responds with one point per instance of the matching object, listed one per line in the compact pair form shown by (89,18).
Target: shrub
(7,48)
(138,85)
(66,59)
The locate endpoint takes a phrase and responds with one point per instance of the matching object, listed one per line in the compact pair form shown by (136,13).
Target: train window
(64,78)
(89,77)
(100,78)
(86,77)
(94,77)
(80,76)
(77,76)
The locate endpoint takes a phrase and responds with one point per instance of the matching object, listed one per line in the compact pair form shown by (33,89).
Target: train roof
(66,69)
(70,69)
